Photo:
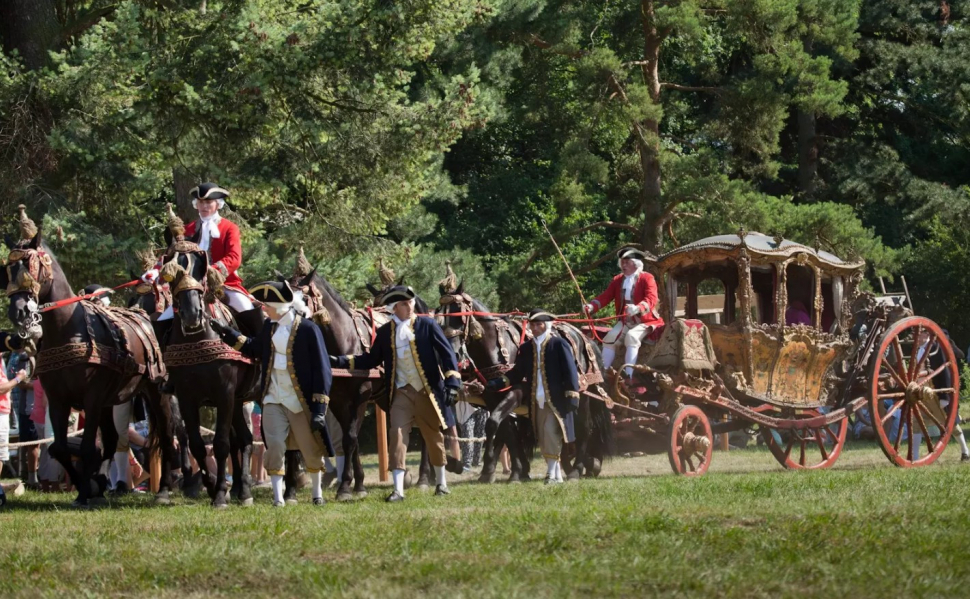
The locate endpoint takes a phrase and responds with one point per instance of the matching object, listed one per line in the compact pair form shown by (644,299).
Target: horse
(91,357)
(206,372)
(487,346)
(348,395)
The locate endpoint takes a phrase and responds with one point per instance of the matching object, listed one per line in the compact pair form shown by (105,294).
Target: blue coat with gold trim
(430,349)
(307,363)
(559,376)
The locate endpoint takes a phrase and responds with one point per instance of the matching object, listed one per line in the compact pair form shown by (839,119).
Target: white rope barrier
(41,441)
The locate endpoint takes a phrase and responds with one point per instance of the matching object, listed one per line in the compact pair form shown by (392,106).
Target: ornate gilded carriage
(797,348)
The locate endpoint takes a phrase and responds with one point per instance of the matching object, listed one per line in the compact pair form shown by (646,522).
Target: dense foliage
(424,130)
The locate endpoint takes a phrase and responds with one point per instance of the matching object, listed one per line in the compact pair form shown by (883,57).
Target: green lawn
(747,529)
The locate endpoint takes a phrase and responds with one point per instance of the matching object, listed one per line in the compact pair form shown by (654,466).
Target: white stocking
(631,358)
(398,476)
(963,441)
(276,481)
(316,484)
(551,468)
(121,466)
(609,354)
(440,476)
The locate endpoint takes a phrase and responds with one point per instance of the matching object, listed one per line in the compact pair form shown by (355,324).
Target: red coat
(644,296)
(225,252)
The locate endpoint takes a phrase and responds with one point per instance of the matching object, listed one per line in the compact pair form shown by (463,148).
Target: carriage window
(800,283)
(831,303)
(762,296)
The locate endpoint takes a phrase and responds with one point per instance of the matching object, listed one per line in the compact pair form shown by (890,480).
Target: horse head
(187,297)
(28,276)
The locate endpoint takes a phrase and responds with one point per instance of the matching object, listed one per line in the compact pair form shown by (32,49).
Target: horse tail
(602,441)
(163,424)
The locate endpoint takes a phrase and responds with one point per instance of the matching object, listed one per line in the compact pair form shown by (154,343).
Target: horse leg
(521,443)
(424,469)
(345,414)
(291,471)
(58,450)
(244,443)
(360,491)
(109,443)
(582,425)
(220,449)
(234,459)
(90,454)
(191,415)
(161,438)
(490,450)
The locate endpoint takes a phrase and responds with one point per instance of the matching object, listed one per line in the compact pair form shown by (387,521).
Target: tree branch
(534,40)
(691,88)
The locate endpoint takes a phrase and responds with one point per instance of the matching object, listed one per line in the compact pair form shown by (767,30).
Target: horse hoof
(246,502)
(408,481)
(360,494)
(487,477)
(77,504)
(162,498)
(345,496)
(220,505)
(574,475)
(97,502)
(423,486)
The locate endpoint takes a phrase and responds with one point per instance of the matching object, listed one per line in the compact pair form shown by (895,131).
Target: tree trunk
(184,182)
(31,28)
(651,196)
(807,154)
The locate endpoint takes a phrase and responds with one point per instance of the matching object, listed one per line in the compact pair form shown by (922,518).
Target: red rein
(72,300)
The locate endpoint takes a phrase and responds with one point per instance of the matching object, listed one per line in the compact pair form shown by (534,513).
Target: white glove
(589,309)
(150,276)
(632,310)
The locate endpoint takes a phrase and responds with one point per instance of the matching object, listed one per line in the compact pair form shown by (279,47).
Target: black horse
(487,346)
(91,358)
(206,372)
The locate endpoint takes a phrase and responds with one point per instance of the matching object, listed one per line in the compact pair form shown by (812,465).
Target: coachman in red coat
(221,239)
(634,297)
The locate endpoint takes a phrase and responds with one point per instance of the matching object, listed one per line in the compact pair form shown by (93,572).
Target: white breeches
(237,300)
(630,337)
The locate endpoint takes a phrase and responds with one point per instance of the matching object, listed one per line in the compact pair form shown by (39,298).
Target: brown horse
(348,395)
(486,347)
(91,358)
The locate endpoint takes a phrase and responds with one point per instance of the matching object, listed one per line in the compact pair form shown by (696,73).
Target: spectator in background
(22,397)
(5,405)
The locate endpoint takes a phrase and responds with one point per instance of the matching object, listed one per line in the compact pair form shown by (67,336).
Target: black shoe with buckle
(441,490)
(394,497)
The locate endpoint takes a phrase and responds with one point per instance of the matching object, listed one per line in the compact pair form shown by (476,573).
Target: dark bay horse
(91,358)
(206,372)
(342,330)
(487,347)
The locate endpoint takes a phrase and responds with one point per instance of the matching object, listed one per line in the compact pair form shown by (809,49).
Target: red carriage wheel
(691,441)
(912,418)
(807,448)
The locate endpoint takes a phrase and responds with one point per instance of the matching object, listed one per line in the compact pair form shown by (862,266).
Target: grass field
(747,529)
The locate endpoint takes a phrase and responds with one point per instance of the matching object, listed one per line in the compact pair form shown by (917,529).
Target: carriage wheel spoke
(899,430)
(914,351)
(892,410)
(926,354)
(933,374)
(821,446)
(690,463)
(788,448)
(891,395)
(895,375)
(835,437)
(801,455)
(900,360)
(909,434)
(932,416)
(926,433)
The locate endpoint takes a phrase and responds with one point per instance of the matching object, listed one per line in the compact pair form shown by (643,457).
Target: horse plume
(175,224)
(303,266)
(449,284)
(386,274)
(28,229)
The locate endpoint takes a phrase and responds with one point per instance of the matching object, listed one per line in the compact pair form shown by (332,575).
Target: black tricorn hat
(540,315)
(278,292)
(208,191)
(634,254)
(398,293)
